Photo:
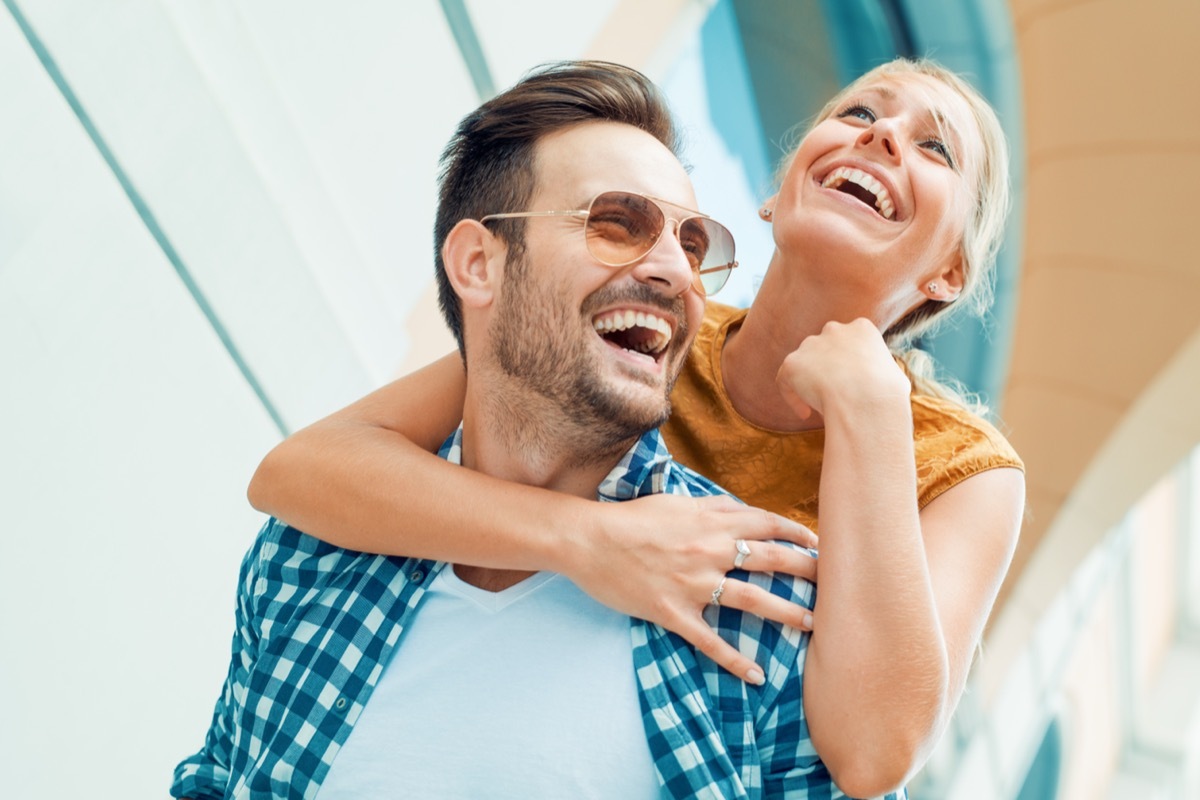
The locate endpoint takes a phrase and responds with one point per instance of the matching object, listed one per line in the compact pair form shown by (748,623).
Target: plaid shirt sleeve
(315,624)
(207,773)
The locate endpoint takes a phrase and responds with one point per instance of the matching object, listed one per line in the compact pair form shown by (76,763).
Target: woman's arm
(904,595)
(365,478)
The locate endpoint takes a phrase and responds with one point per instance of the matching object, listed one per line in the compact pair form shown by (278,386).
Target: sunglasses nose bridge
(673,269)
(676,226)
(665,220)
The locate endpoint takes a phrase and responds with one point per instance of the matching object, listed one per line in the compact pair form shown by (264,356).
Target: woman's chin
(829,239)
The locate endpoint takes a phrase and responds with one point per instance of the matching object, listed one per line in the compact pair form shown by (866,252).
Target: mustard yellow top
(781,470)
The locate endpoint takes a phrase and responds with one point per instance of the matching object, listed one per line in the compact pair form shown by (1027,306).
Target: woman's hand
(847,361)
(660,557)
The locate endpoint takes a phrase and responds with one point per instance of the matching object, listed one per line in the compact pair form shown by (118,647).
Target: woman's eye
(939,147)
(859,111)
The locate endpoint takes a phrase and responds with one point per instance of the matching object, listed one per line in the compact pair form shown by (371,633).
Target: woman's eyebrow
(945,125)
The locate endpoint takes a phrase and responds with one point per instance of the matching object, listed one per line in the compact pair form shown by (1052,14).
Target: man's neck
(521,443)
(527,442)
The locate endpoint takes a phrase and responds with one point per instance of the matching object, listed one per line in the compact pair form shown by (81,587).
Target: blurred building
(215,227)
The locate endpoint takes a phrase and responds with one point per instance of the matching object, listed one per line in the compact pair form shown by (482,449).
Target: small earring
(933,287)
(765,212)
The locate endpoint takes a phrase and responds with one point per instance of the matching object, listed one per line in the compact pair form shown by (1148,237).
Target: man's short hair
(488,165)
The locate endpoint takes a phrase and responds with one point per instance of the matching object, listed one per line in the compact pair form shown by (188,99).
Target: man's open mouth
(634,330)
(861,186)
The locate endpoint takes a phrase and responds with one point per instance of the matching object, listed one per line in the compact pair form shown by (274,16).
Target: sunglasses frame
(585,213)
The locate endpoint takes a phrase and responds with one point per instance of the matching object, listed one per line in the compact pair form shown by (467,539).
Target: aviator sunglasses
(623,227)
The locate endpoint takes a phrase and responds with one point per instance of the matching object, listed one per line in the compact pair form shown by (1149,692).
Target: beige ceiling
(1102,397)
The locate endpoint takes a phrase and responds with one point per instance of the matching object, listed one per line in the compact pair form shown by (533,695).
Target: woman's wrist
(886,413)
(569,543)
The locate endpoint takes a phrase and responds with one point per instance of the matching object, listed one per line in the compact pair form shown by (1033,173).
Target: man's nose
(667,265)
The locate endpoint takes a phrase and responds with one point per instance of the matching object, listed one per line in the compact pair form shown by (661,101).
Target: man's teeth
(883,200)
(659,330)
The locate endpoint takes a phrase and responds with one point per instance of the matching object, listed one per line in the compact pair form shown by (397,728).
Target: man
(571,271)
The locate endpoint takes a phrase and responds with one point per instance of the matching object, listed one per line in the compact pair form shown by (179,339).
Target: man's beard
(539,340)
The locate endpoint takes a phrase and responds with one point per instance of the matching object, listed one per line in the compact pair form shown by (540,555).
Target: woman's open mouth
(863,187)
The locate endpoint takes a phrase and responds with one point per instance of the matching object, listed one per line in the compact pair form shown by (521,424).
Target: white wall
(127,439)
(276,146)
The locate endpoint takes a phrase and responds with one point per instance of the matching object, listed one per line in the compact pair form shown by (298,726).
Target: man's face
(604,344)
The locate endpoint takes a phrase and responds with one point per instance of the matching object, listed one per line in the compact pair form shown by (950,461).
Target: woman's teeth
(883,200)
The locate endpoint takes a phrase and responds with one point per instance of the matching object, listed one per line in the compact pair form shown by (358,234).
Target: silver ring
(743,552)
(717,592)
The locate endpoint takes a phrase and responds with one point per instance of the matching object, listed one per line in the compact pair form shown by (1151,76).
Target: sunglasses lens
(622,227)
(709,246)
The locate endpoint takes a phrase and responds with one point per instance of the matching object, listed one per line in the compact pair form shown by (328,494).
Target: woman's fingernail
(808,621)
(756,677)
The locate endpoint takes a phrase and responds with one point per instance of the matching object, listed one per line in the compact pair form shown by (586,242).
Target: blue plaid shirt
(316,624)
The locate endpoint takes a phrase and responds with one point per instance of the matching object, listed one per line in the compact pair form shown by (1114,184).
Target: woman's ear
(948,284)
(767,209)
(473,258)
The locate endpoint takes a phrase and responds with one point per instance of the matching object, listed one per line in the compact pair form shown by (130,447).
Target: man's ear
(473,258)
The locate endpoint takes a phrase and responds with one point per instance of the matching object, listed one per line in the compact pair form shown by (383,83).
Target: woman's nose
(882,134)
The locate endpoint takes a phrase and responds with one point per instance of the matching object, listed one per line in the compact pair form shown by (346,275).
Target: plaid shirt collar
(644,469)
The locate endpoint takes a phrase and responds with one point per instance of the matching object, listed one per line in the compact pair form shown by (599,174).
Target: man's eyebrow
(578,204)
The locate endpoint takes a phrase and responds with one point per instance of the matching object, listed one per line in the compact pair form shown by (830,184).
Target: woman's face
(879,192)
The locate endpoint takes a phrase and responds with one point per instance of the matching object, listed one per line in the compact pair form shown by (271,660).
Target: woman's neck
(783,315)
(753,353)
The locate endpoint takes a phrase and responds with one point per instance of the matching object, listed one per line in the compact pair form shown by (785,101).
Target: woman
(889,213)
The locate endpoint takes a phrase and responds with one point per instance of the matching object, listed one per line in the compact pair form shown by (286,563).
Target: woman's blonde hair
(983,231)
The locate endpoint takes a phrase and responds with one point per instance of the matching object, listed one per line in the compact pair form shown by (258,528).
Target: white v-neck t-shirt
(525,693)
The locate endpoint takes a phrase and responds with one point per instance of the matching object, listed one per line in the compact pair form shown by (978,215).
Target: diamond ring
(717,592)
(743,552)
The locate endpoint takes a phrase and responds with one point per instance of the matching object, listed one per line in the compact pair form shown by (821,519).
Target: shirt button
(417,576)
(340,704)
